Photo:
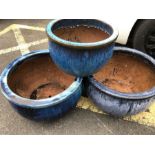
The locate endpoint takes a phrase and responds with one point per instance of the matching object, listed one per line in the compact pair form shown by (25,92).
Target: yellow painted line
(31,28)
(38,42)
(23,46)
(8,50)
(20,40)
(6,30)
(144,118)
(15,26)
(86,104)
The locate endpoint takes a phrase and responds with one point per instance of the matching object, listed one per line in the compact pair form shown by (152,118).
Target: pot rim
(141,95)
(30,103)
(70,44)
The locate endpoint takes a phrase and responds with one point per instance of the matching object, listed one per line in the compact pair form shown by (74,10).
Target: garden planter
(80,58)
(37,89)
(125,86)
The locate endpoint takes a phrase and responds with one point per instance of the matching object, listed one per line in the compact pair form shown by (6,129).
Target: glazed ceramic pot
(38,109)
(80,59)
(117,103)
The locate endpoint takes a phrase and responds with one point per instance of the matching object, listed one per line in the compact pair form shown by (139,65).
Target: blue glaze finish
(116,103)
(80,59)
(79,63)
(44,108)
(49,112)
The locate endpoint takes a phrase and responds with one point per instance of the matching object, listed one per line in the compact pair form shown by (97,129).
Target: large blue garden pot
(40,109)
(80,59)
(117,103)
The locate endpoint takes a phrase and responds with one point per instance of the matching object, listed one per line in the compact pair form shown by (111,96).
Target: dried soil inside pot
(38,78)
(83,34)
(127,73)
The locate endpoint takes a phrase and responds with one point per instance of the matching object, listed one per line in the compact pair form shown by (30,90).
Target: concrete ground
(21,36)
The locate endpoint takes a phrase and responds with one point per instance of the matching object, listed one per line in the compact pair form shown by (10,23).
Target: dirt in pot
(83,34)
(39,78)
(127,73)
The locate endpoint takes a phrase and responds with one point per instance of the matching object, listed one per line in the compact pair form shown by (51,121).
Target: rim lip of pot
(29,103)
(98,44)
(134,96)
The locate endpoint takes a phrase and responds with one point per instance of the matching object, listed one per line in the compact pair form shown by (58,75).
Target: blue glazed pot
(116,103)
(80,59)
(48,108)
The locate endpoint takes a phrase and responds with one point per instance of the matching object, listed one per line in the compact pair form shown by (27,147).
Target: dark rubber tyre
(143,37)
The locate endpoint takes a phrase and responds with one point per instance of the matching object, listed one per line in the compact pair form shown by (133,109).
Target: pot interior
(81,34)
(37,78)
(127,73)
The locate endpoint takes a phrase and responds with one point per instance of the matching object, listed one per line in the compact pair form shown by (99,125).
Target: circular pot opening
(38,78)
(81,33)
(127,73)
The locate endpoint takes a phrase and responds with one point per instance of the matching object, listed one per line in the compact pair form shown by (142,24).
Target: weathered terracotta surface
(39,78)
(83,34)
(127,73)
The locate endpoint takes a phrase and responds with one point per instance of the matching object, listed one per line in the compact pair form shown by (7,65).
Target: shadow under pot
(37,89)
(125,85)
(80,47)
